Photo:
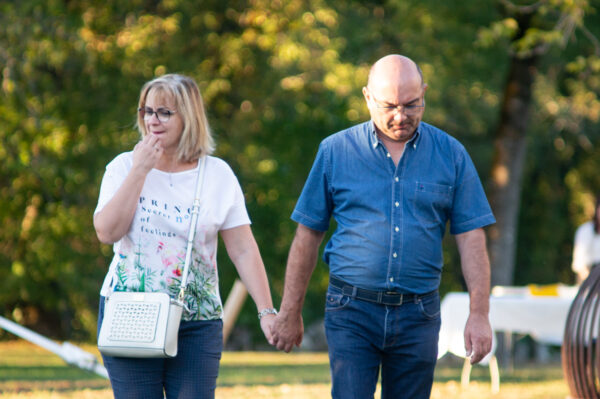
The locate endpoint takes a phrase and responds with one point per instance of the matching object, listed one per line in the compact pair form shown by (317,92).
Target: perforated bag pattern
(135,322)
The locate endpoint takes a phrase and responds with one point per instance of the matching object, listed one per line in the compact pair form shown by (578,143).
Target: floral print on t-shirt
(150,257)
(134,273)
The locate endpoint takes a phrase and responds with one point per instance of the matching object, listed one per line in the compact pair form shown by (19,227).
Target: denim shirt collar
(374,139)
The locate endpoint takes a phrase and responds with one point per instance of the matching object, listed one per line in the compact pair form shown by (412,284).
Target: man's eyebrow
(410,102)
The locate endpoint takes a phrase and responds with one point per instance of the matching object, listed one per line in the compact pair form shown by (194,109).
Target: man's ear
(366,95)
(365,92)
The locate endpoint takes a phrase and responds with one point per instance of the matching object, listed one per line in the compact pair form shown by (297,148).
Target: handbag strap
(190,243)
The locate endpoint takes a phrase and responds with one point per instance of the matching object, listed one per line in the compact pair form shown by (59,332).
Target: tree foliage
(277,77)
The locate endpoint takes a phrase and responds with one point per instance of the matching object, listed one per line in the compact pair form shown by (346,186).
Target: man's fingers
(477,351)
(282,346)
(476,357)
(285,344)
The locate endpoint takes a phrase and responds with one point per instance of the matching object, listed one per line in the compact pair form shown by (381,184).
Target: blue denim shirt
(391,220)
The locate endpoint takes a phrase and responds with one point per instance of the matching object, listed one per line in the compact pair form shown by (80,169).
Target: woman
(144,209)
(586,250)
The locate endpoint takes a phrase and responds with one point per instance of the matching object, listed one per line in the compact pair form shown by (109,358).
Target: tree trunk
(507,169)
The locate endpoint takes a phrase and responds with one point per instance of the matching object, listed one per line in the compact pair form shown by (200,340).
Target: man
(391,184)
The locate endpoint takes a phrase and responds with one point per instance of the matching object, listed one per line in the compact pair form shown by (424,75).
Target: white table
(512,309)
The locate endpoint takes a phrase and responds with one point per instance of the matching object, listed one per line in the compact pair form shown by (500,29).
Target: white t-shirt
(586,250)
(151,256)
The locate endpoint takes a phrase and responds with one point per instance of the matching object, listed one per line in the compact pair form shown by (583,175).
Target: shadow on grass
(528,374)
(252,374)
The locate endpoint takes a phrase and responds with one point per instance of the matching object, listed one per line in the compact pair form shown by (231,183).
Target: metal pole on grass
(70,353)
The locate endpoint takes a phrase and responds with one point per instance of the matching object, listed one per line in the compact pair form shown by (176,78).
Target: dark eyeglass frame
(409,110)
(162,114)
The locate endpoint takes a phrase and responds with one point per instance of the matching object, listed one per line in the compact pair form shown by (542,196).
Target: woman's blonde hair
(196,138)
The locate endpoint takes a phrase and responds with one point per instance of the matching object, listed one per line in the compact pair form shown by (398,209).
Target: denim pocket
(334,301)
(430,306)
(432,202)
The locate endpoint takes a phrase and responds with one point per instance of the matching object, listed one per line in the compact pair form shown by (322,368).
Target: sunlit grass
(27,371)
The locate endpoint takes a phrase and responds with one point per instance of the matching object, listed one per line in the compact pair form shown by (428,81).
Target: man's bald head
(394,69)
(395,81)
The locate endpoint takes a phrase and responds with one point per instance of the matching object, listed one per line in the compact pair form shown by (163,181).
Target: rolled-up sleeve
(314,206)
(470,208)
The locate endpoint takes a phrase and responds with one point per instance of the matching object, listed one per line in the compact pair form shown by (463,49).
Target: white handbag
(146,324)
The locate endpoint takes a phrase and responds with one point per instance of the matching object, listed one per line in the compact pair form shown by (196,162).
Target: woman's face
(163,120)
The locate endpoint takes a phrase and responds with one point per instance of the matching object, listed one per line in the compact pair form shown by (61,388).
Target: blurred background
(516,82)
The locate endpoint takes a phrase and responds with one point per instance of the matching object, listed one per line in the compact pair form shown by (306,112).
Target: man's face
(396,112)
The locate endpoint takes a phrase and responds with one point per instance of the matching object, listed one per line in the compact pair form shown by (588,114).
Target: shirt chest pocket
(432,202)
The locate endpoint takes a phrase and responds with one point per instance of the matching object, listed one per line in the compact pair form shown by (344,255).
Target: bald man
(391,184)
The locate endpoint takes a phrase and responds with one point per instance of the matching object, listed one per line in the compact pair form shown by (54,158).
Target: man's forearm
(475,268)
(301,263)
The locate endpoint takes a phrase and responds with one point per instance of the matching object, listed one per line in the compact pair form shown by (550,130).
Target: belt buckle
(396,295)
(348,291)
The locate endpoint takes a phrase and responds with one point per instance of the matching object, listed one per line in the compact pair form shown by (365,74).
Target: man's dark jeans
(364,336)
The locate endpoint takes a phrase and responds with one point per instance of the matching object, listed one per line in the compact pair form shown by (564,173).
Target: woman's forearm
(114,220)
(245,255)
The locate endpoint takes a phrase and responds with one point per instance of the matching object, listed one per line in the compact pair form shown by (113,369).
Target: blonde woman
(144,211)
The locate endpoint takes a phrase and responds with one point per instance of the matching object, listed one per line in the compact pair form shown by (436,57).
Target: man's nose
(399,114)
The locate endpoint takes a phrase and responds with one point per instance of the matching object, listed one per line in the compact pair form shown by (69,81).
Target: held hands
(478,337)
(266,324)
(286,331)
(146,153)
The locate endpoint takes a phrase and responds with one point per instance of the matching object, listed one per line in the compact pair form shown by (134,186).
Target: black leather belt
(381,297)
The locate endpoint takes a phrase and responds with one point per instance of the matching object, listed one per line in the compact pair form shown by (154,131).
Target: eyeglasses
(162,114)
(409,110)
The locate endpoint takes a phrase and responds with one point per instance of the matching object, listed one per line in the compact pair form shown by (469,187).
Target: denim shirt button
(395,255)
(397,229)
(391,279)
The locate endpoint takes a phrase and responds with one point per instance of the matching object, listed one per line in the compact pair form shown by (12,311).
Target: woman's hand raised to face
(146,153)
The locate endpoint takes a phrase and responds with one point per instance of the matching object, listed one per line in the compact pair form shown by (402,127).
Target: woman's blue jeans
(192,374)
(364,337)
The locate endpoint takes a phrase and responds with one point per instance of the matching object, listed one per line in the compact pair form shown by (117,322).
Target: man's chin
(401,134)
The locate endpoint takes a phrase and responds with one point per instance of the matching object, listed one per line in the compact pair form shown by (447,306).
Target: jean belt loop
(354,290)
(379,296)
(346,290)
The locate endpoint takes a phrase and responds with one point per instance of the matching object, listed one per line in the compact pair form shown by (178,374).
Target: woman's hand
(146,153)
(114,220)
(266,324)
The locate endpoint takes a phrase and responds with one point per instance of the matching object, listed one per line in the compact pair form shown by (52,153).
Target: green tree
(531,33)
(277,77)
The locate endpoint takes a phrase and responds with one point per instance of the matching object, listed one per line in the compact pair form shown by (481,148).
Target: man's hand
(286,331)
(476,270)
(478,337)
(288,327)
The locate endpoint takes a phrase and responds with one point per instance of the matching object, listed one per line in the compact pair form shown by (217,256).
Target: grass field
(27,371)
